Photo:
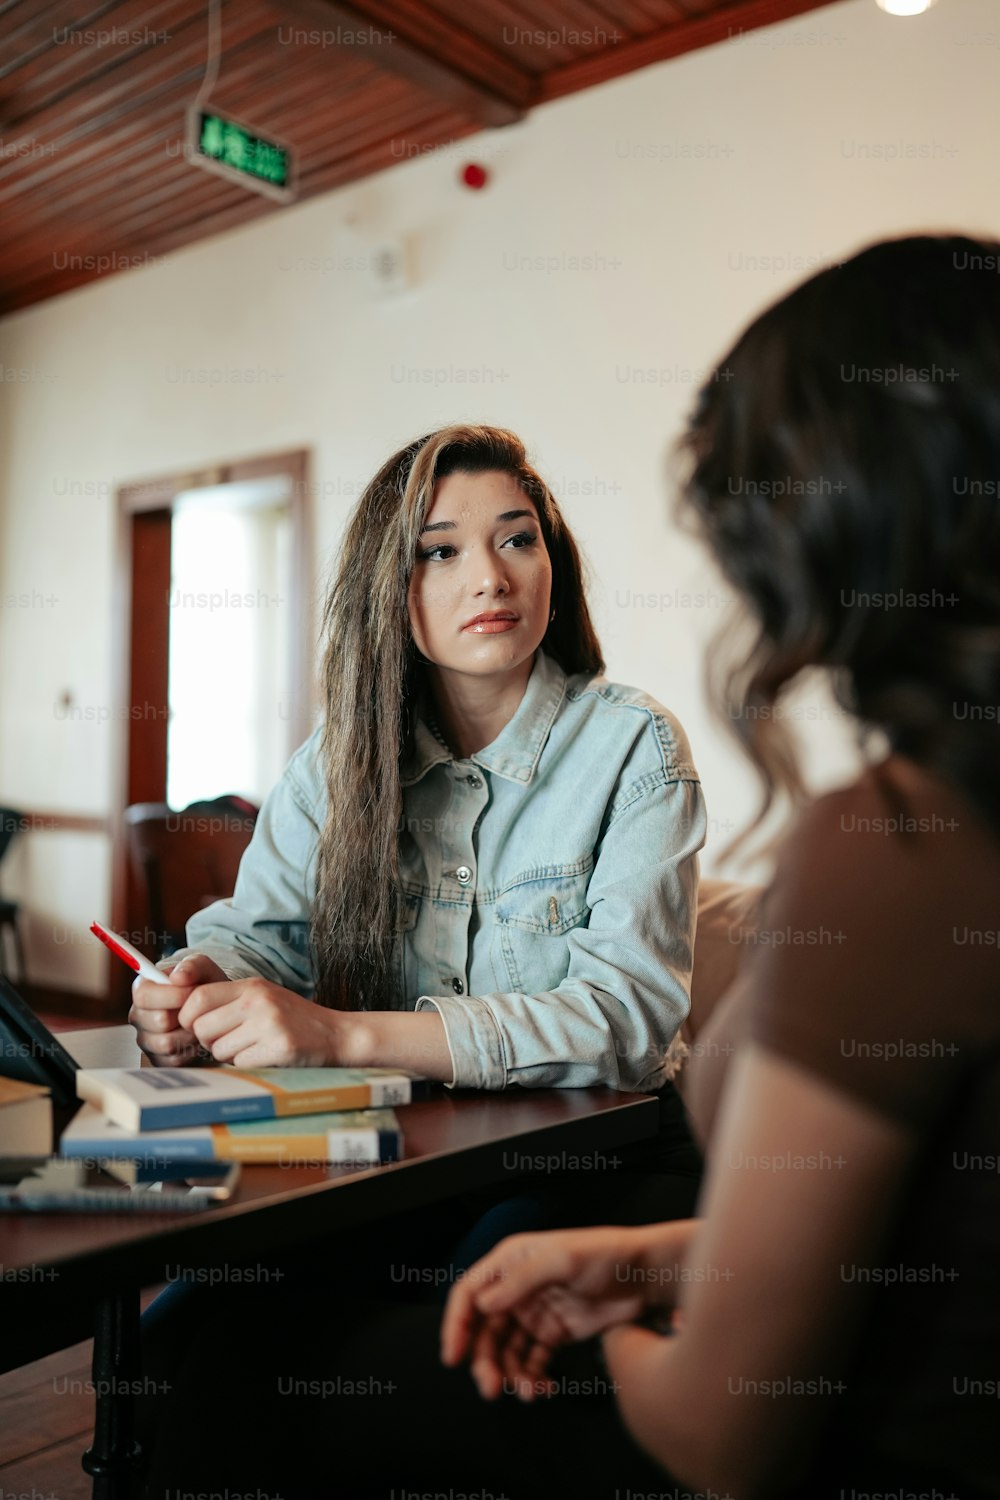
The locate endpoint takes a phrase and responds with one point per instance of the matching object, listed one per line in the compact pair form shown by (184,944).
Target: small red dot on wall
(474,176)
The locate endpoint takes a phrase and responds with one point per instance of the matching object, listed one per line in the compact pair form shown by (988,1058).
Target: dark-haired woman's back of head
(845,467)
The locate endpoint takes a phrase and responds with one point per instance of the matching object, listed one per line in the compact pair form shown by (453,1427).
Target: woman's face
(480,588)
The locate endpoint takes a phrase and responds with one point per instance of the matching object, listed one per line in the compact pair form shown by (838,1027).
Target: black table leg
(112,1458)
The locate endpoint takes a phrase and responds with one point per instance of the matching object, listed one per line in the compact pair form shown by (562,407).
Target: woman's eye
(444,550)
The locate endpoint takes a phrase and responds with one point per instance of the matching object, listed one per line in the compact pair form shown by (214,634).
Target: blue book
(160,1098)
(364,1137)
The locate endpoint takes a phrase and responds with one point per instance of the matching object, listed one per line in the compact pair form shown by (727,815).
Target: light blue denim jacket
(549,886)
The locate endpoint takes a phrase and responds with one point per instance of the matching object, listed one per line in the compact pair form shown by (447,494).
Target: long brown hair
(372,676)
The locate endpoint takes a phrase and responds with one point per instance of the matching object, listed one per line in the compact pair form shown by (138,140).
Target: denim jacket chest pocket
(531,919)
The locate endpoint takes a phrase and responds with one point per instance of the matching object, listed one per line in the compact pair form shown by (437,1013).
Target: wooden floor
(46,1420)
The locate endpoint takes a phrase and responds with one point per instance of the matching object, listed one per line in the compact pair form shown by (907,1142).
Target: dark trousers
(319,1375)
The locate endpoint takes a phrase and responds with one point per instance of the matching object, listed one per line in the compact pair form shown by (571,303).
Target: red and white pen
(129,955)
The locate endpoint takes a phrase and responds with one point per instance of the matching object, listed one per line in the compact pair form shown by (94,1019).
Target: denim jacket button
(463,874)
(457,986)
(473,781)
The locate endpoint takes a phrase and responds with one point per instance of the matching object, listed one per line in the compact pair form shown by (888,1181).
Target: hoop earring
(552,617)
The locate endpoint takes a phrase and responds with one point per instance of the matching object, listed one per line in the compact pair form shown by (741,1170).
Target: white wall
(797,143)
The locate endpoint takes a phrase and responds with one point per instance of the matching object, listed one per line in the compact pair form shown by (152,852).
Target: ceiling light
(904,7)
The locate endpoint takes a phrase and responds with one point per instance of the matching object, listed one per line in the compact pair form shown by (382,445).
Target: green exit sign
(240,153)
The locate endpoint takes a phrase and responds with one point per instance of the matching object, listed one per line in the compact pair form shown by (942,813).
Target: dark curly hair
(844,467)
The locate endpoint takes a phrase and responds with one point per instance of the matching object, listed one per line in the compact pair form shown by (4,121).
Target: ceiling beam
(460,71)
(685,36)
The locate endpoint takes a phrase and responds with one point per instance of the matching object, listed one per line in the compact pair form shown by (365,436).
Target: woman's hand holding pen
(202,1015)
(249,1022)
(155,1012)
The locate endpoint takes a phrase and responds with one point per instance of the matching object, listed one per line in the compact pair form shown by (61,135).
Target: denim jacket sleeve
(264,928)
(613,1017)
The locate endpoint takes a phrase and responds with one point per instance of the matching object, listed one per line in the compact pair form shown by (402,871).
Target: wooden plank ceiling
(93,97)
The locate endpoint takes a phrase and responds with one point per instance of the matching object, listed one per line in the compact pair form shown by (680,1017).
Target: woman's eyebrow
(507,515)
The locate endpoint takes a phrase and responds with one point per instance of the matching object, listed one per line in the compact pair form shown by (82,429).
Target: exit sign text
(240,153)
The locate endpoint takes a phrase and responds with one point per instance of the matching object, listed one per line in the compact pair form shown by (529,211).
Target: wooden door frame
(142,737)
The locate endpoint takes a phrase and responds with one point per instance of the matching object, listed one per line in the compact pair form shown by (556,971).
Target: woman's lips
(491,625)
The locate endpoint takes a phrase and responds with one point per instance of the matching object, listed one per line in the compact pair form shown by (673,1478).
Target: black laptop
(29,1051)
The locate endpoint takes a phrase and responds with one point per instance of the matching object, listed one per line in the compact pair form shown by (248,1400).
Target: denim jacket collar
(516,750)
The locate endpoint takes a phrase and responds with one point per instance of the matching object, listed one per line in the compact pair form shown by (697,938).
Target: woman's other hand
(536,1292)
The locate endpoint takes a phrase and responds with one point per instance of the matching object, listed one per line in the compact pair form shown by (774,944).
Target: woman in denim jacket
(484,868)
(484,865)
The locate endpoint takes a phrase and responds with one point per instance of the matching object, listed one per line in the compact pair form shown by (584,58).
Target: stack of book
(284,1115)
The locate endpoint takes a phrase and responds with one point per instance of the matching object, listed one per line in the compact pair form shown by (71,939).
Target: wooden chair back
(183,861)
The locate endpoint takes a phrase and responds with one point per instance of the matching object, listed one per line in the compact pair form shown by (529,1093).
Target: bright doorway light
(230,614)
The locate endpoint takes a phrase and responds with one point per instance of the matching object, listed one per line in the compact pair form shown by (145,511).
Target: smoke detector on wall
(388,268)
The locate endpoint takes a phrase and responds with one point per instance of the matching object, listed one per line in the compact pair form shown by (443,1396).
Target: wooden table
(63,1277)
